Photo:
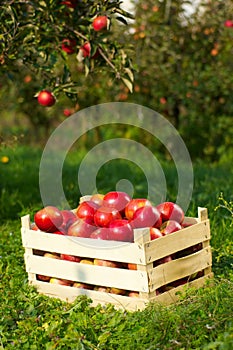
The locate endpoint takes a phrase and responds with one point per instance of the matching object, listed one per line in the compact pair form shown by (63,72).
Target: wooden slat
(84,247)
(177,241)
(202,214)
(179,268)
(69,294)
(190,220)
(91,274)
(140,237)
(172,295)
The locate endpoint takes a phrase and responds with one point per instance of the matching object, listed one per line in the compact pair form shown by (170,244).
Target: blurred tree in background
(185,69)
(181,64)
(54,45)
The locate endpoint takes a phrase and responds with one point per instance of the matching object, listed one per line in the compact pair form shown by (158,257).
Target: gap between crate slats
(177,241)
(179,268)
(91,274)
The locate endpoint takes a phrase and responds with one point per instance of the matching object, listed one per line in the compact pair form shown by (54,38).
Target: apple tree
(53,45)
(184,60)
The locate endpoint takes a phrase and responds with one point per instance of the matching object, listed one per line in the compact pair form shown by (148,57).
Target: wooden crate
(153,281)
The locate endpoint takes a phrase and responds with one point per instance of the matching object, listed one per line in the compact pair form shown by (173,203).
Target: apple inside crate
(128,275)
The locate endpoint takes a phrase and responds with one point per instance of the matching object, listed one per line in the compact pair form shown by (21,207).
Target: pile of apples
(112,216)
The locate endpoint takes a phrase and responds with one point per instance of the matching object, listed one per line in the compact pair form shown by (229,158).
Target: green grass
(201,320)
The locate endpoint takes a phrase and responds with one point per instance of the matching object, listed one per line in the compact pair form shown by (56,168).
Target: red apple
(70,258)
(67,112)
(135,204)
(60,281)
(228,23)
(171,211)
(46,98)
(117,200)
(59,232)
(155,233)
(164,260)
(133,294)
(34,227)
(43,278)
(107,263)
(70,3)
(48,219)
(68,46)
(100,233)
(68,219)
(170,226)
(104,215)
(99,23)
(81,228)
(121,230)
(86,49)
(86,210)
(147,216)
(132,266)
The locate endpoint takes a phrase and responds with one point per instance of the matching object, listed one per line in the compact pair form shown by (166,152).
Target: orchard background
(176,62)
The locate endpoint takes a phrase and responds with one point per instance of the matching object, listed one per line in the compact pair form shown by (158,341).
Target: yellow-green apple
(97,198)
(117,291)
(52,255)
(102,289)
(87,261)
(135,204)
(60,281)
(82,285)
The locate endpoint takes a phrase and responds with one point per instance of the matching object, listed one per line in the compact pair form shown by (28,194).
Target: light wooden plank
(91,274)
(188,220)
(140,237)
(172,296)
(25,221)
(179,268)
(69,294)
(84,247)
(177,241)
(202,214)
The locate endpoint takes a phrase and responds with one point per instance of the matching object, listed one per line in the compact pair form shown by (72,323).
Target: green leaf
(128,83)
